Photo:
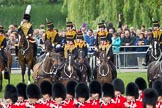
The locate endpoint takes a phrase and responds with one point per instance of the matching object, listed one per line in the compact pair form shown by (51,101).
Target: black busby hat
(26,17)
(82,90)
(11,93)
(132,90)
(69,24)
(21,90)
(118,85)
(101,25)
(1,29)
(156,24)
(58,90)
(150,97)
(46,87)
(33,91)
(108,90)
(157,85)
(79,35)
(95,87)
(141,83)
(70,87)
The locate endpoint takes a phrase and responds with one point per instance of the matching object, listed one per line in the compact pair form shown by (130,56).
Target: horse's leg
(23,72)
(1,81)
(29,75)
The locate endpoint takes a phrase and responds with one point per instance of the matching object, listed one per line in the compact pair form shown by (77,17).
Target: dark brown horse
(69,70)
(104,70)
(9,64)
(26,56)
(154,67)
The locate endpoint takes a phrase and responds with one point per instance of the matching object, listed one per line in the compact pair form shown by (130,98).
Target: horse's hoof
(28,82)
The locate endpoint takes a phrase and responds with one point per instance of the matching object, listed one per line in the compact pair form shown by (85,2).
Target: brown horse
(26,56)
(154,67)
(69,70)
(104,70)
(47,69)
(9,64)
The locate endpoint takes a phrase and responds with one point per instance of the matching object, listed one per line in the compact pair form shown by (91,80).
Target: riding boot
(16,52)
(88,70)
(146,59)
(6,70)
(35,50)
(95,73)
(114,72)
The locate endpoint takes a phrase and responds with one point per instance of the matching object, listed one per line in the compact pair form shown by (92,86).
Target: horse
(104,70)
(47,69)
(154,67)
(83,66)
(25,55)
(9,64)
(69,70)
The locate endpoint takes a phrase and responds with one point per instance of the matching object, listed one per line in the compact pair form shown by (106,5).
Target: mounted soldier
(3,43)
(69,40)
(104,45)
(156,36)
(27,29)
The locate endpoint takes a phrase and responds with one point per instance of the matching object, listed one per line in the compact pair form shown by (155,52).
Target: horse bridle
(24,50)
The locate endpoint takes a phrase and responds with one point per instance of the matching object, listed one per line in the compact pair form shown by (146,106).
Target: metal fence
(123,60)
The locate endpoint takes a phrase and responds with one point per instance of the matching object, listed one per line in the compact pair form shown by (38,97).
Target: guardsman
(82,96)
(95,94)
(69,38)
(107,100)
(157,85)
(10,96)
(119,88)
(52,34)
(46,91)
(70,94)
(141,83)
(27,29)
(59,95)
(156,35)
(150,98)
(3,43)
(132,96)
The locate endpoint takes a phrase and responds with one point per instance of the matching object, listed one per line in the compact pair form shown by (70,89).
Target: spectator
(89,38)
(132,32)
(119,31)
(36,36)
(143,28)
(42,44)
(140,42)
(138,32)
(111,30)
(116,43)
(110,26)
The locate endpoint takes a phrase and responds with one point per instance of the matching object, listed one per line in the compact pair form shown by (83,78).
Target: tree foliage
(136,12)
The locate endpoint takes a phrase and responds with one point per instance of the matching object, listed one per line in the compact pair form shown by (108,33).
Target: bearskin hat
(82,90)
(108,90)
(118,85)
(95,87)
(21,90)
(27,17)
(70,87)
(59,90)
(1,29)
(156,24)
(33,91)
(79,35)
(132,90)
(69,24)
(11,93)
(150,97)
(157,85)
(46,87)
(141,83)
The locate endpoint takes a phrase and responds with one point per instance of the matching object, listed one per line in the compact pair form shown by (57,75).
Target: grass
(126,77)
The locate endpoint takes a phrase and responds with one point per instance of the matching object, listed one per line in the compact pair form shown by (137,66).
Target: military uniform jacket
(69,103)
(81,45)
(82,105)
(70,35)
(157,35)
(53,104)
(158,104)
(111,104)
(2,41)
(53,35)
(133,104)
(119,100)
(95,103)
(27,29)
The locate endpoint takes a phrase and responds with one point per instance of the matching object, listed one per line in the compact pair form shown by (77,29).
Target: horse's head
(48,45)
(23,42)
(81,55)
(103,56)
(155,48)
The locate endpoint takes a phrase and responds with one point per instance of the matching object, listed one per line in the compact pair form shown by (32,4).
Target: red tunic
(82,105)
(69,103)
(119,100)
(141,96)
(111,104)
(133,104)
(54,105)
(158,104)
(95,103)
